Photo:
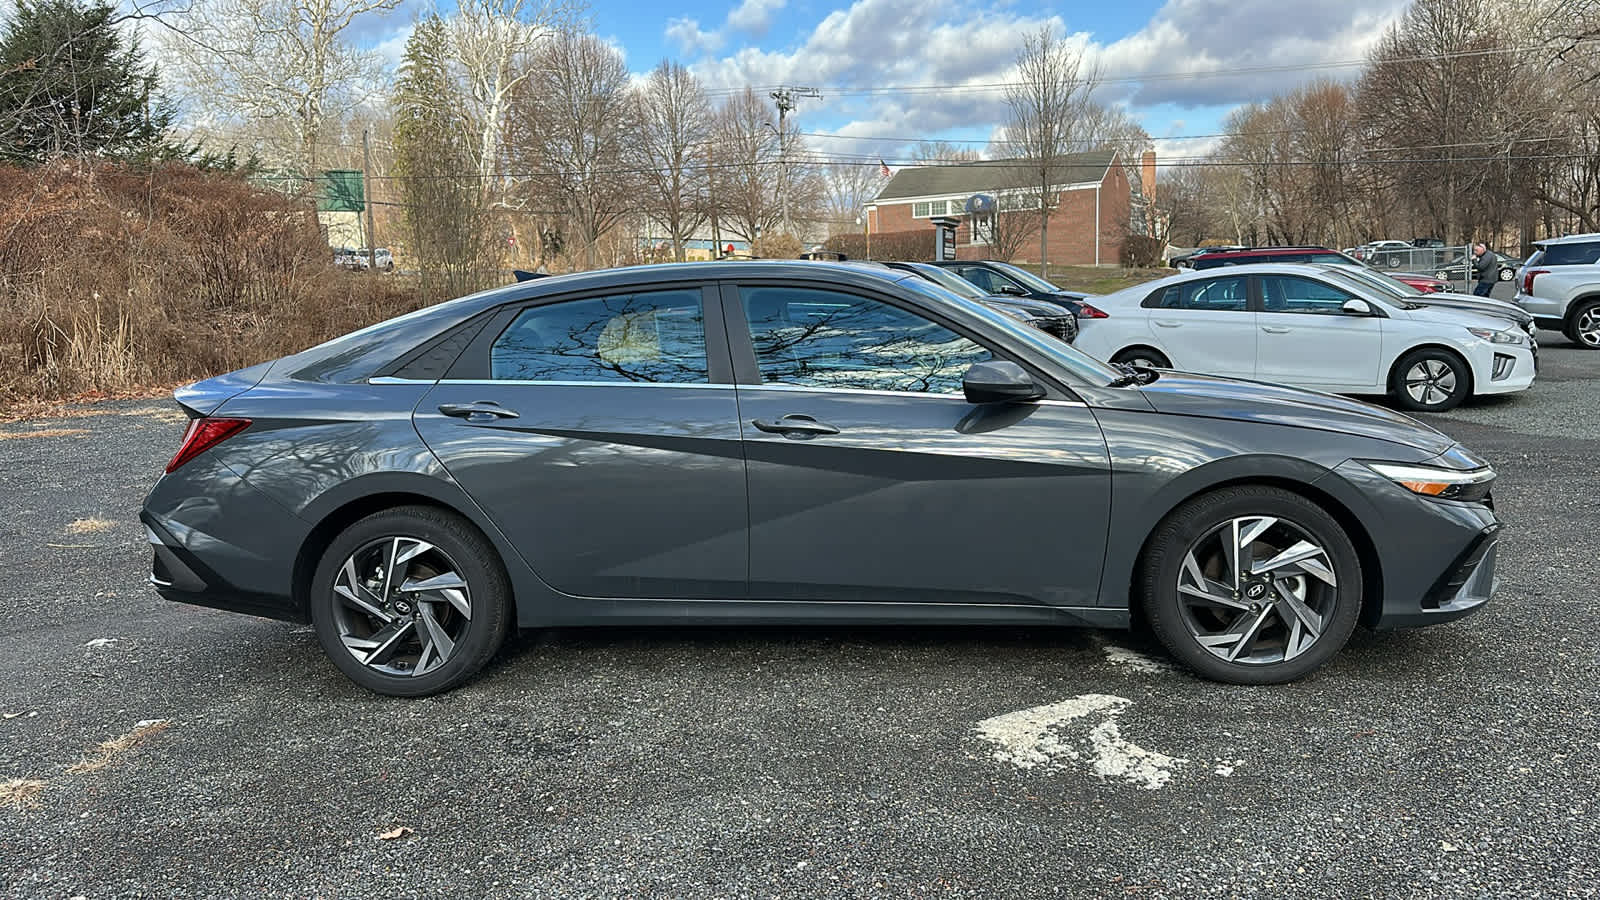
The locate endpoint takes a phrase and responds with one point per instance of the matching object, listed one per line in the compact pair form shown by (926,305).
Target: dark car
(1007,280)
(788,442)
(1047,317)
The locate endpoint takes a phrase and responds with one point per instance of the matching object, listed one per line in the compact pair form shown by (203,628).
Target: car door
(1206,325)
(601,434)
(1308,339)
(871,478)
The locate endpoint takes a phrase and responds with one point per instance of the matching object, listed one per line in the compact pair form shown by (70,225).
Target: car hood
(1454,315)
(1182,393)
(1488,306)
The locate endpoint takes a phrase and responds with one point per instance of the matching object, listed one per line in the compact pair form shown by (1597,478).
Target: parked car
(1186,260)
(1502,309)
(1459,268)
(361,259)
(1313,255)
(1047,317)
(1303,325)
(787,442)
(1386,254)
(1569,250)
(1565,297)
(1007,280)
(1427,242)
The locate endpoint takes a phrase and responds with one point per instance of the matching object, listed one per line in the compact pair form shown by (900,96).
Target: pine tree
(72,84)
(447,215)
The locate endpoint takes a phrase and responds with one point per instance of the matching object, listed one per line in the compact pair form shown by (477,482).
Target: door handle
(1166,324)
(1275,329)
(481,411)
(795,424)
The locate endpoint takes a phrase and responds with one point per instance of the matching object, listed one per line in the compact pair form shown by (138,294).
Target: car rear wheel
(410,601)
(1583,325)
(1143,356)
(1251,585)
(1430,379)
(1507,274)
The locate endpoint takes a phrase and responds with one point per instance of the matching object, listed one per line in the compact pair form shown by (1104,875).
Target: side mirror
(999,382)
(1011,290)
(1357,308)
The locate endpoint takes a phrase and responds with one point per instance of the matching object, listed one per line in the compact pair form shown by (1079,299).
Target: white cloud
(690,39)
(755,16)
(877,43)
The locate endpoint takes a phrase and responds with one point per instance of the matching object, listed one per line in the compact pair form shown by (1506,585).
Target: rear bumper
(177,574)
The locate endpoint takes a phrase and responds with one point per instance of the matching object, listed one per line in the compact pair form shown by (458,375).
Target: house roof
(959,179)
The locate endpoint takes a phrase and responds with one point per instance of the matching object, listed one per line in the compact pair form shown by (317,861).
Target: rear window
(1576,253)
(1230,294)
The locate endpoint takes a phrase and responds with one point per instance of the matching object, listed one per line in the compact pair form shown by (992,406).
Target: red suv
(1424,283)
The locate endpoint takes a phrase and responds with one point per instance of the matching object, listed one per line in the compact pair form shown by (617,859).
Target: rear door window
(1576,253)
(656,336)
(1214,294)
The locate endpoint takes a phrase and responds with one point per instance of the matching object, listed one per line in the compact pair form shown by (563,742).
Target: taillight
(203,434)
(1527,280)
(1085,311)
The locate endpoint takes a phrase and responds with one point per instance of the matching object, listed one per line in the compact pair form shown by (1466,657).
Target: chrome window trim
(789,388)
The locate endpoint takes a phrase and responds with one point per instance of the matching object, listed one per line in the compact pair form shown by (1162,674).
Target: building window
(919,210)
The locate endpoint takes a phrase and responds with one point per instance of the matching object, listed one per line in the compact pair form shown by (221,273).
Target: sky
(1178,66)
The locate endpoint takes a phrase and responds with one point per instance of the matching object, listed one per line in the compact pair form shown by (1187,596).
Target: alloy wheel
(1430,381)
(1587,327)
(401,606)
(1257,590)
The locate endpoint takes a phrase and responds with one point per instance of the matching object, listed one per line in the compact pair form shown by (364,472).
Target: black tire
(1440,379)
(1144,356)
(1507,274)
(1177,535)
(1582,326)
(487,593)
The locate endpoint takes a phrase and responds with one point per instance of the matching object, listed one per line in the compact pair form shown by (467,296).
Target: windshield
(1394,287)
(1078,365)
(1027,278)
(951,282)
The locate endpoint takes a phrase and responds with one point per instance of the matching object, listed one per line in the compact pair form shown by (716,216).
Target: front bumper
(1436,558)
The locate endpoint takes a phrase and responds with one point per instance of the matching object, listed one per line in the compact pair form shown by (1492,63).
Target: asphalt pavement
(153,749)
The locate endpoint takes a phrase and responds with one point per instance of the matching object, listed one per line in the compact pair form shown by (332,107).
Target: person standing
(1485,268)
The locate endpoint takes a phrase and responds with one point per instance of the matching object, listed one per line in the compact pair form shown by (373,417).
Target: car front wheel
(410,601)
(1430,380)
(1143,356)
(1251,585)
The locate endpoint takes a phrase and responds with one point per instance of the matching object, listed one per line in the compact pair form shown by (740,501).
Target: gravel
(1454,761)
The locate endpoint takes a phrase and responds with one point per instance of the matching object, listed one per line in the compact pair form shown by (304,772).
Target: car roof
(1250,250)
(1144,290)
(1569,239)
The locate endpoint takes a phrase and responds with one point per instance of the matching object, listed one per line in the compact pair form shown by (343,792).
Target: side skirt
(798,612)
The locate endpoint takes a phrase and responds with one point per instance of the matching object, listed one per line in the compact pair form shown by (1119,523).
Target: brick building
(1095,206)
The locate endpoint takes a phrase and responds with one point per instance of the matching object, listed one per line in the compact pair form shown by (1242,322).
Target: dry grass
(91,525)
(114,280)
(108,751)
(1099,279)
(21,793)
(41,433)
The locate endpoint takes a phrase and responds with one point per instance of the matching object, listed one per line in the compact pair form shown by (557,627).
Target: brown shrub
(1142,251)
(113,279)
(910,246)
(777,246)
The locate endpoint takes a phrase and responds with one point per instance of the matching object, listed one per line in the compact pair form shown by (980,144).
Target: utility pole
(784,97)
(366,189)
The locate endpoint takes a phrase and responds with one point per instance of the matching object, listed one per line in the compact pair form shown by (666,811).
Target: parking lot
(155,749)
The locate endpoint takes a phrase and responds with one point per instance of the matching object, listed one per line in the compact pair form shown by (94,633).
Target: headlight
(1445,484)
(1509,336)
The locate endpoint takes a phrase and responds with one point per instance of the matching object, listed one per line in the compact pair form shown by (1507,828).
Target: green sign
(341,191)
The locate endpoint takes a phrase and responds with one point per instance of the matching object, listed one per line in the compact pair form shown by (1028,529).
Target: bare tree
(1015,222)
(487,38)
(848,188)
(674,119)
(1047,100)
(278,65)
(569,124)
(943,152)
(745,166)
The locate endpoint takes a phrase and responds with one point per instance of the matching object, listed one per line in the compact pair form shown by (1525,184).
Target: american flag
(883,168)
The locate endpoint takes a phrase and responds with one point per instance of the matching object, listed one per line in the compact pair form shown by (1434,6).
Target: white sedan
(1314,327)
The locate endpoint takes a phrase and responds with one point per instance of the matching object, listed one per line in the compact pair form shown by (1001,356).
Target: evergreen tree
(72,84)
(447,216)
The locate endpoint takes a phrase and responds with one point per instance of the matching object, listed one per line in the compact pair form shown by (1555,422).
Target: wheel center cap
(1256,591)
(403,607)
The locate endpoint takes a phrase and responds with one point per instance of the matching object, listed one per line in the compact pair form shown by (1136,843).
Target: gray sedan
(781,442)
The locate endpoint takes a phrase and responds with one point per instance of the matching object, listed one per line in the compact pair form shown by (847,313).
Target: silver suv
(1557,286)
